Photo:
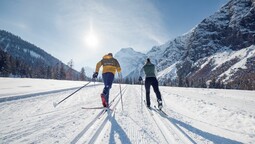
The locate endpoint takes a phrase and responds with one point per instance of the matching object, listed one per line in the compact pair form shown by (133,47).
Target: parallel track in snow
(170,131)
(98,125)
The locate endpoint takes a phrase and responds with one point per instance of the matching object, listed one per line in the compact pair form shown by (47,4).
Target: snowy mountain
(20,58)
(187,60)
(193,115)
(24,50)
(130,60)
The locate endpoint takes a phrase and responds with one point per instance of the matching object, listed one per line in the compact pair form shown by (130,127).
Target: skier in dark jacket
(110,66)
(150,79)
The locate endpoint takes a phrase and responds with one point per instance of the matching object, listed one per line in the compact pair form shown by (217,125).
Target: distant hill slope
(20,58)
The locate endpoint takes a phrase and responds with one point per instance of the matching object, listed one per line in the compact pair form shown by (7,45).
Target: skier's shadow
(206,135)
(116,128)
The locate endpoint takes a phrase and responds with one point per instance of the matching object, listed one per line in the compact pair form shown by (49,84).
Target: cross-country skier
(150,79)
(110,66)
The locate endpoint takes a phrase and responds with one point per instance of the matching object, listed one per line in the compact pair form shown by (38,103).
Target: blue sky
(85,30)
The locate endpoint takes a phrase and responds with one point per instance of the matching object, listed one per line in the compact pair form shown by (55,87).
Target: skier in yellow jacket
(110,66)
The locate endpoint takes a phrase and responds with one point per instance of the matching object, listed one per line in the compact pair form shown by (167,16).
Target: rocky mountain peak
(187,58)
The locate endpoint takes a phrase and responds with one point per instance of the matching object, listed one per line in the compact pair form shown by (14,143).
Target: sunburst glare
(92,38)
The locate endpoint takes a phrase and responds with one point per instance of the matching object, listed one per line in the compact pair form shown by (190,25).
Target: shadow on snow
(116,128)
(212,137)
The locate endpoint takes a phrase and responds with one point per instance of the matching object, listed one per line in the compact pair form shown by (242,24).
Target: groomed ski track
(37,121)
(151,128)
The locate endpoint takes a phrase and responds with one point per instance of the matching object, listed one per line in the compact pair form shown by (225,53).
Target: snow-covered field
(193,115)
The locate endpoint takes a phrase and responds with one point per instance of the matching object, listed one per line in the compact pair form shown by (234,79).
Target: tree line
(242,83)
(13,67)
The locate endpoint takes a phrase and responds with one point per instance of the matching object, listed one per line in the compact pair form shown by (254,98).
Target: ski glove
(95,75)
(140,78)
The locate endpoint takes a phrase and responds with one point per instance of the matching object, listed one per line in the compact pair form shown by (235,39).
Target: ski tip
(55,104)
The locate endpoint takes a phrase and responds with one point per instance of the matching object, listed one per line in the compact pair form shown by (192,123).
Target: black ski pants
(154,82)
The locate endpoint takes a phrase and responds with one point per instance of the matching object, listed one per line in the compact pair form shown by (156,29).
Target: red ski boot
(103,100)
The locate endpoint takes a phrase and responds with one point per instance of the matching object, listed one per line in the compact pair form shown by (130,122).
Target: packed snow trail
(193,116)
(31,118)
(98,122)
(151,124)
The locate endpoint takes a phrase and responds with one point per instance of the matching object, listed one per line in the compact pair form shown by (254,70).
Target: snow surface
(32,53)
(11,87)
(194,115)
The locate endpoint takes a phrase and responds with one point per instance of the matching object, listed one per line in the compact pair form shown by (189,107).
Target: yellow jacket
(109,63)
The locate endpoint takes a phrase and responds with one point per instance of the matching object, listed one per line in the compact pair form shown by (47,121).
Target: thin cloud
(128,20)
(118,24)
(60,26)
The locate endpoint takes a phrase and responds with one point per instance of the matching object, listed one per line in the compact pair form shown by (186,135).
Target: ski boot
(103,100)
(160,104)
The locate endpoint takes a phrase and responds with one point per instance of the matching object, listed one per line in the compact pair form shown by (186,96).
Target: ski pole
(141,95)
(120,91)
(55,104)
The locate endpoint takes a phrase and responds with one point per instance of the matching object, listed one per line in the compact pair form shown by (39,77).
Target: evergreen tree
(48,73)
(213,83)
(82,74)
(69,73)
(5,68)
(62,74)
(180,82)
(55,72)
(187,82)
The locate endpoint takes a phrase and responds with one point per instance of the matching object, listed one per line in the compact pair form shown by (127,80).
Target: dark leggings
(108,79)
(154,82)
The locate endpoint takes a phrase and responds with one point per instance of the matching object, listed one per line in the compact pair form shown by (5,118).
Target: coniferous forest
(19,58)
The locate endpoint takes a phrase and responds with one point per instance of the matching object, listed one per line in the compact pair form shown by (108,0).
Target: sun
(92,40)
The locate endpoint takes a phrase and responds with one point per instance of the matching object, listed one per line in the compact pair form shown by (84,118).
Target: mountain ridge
(20,58)
(231,28)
